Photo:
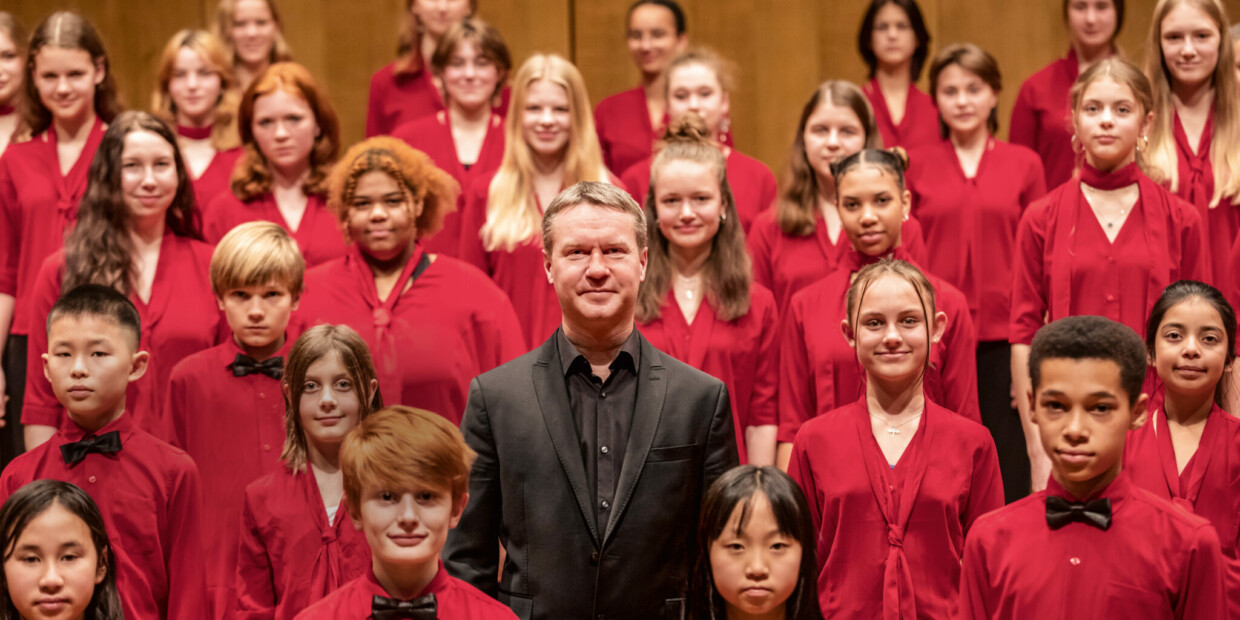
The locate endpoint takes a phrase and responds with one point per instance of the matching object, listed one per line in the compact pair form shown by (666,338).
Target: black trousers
(994,382)
(12,443)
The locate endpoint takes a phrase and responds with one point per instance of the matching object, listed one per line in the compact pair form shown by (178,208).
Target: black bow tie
(245,365)
(421,608)
(106,443)
(1060,512)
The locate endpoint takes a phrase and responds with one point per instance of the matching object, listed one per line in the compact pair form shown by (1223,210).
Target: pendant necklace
(893,430)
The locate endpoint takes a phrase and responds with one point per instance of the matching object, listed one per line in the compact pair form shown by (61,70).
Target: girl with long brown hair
(699,302)
(894,44)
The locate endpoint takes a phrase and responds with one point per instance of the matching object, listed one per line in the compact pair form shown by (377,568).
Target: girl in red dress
(138,234)
(894,480)
(291,137)
(894,42)
(467,139)
(1188,451)
(629,122)
(1194,144)
(196,93)
(405,90)
(1106,244)
(699,302)
(253,34)
(69,98)
(13,40)
(969,191)
(297,544)
(700,82)
(549,144)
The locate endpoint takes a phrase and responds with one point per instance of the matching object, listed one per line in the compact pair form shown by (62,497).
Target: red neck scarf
(1115,179)
(194,133)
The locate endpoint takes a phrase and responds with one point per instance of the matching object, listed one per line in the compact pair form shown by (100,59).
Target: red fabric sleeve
(1023,129)
(41,405)
(472,216)
(256,597)
(374,104)
(10,232)
(759,242)
(1029,295)
(960,363)
(796,389)
(986,486)
(187,584)
(1202,579)
(764,403)
(974,603)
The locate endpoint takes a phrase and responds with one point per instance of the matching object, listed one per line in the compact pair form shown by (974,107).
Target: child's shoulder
(206,359)
(158,452)
(476,605)
(23,469)
(334,605)
(1017,517)
(1152,509)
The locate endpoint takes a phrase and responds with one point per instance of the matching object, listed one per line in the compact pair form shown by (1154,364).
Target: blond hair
(512,211)
(224,131)
(1123,73)
(222,29)
(898,269)
(598,194)
(1161,155)
(254,254)
(400,448)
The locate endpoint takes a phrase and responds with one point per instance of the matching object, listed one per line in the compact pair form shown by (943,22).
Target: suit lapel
(557,414)
(651,390)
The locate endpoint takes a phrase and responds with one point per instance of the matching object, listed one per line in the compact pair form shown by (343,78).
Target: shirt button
(605,504)
(602,394)
(267,447)
(1110,297)
(92,478)
(604,450)
(262,395)
(1074,561)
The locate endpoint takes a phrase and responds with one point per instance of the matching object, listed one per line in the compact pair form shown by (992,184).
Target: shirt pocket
(1126,601)
(135,526)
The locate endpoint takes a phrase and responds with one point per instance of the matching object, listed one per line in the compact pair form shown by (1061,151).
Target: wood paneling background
(782,49)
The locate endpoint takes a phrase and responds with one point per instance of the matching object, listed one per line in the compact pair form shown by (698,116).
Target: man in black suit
(594,449)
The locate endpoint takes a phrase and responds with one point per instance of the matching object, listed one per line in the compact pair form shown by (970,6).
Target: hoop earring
(1143,144)
(1077,147)
(725,126)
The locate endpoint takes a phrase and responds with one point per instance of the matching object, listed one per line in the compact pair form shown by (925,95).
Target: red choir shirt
(1220,225)
(786,263)
(217,178)
(1209,486)
(1155,562)
(970,223)
(518,272)
(429,341)
(1231,287)
(920,124)
(890,539)
(1042,118)
(454,599)
(233,428)
(433,135)
(181,319)
(742,353)
(318,235)
(38,207)
(753,185)
(289,555)
(819,372)
(1065,266)
(151,502)
(624,130)
(404,92)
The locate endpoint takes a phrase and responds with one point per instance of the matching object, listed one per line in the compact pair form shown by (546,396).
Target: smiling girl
(254,35)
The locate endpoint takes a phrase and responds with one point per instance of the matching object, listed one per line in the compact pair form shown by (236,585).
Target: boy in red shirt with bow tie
(1092,545)
(147,490)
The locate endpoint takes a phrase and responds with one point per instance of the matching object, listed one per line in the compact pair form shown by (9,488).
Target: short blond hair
(254,254)
(399,447)
(598,194)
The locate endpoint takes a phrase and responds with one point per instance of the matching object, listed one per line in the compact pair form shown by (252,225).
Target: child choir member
(969,191)
(895,481)
(13,40)
(57,558)
(69,97)
(1106,244)
(296,545)
(1194,144)
(196,93)
(224,404)
(291,137)
(406,481)
(818,367)
(755,549)
(549,144)
(698,301)
(1188,451)
(405,90)
(1093,544)
(629,122)
(894,43)
(467,139)
(432,322)
(147,490)
(137,233)
(798,242)
(253,34)
(1041,118)
(700,82)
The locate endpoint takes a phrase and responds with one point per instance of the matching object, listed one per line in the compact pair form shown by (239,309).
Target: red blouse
(970,223)
(433,135)
(819,372)
(38,207)
(1042,118)
(400,93)
(753,185)
(742,353)
(890,539)
(920,124)
(1065,265)
(1220,225)
(624,130)
(217,178)
(318,235)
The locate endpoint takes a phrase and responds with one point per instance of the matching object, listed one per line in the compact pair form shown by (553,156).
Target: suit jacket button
(594,559)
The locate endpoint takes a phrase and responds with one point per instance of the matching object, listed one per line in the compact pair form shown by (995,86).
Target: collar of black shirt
(574,362)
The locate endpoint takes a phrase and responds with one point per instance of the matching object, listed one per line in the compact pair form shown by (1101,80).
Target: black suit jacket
(528,491)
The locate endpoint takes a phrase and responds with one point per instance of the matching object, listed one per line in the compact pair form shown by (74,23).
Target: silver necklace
(893,430)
